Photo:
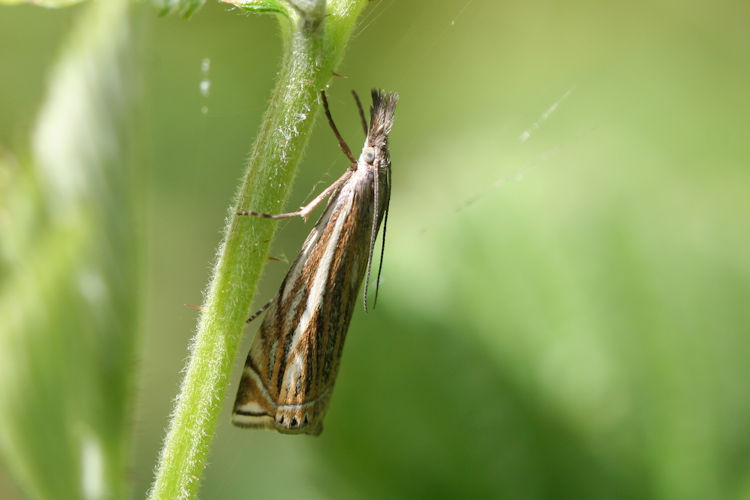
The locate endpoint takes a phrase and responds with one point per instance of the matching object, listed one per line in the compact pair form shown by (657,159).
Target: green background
(564,316)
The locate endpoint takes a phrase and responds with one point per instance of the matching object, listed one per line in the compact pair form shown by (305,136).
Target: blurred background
(564,304)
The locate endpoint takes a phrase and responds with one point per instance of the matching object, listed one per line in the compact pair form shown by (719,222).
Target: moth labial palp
(291,368)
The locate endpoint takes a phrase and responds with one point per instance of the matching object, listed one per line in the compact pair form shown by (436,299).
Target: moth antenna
(373,236)
(361,112)
(382,247)
(342,143)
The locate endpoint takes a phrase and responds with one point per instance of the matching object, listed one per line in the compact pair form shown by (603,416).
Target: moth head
(373,155)
(381,118)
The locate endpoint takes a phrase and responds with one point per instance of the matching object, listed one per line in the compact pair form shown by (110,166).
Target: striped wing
(292,365)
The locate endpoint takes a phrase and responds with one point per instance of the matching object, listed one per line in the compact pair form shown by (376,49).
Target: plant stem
(315,38)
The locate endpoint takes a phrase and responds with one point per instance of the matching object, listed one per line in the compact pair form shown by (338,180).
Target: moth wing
(301,402)
(255,405)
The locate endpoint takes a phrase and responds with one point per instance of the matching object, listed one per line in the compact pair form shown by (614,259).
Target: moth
(291,368)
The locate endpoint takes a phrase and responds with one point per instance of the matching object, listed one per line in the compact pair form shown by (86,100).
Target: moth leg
(260,311)
(304,211)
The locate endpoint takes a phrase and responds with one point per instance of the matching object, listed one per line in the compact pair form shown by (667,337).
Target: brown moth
(291,368)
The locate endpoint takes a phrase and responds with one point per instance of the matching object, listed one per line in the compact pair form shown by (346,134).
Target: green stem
(315,37)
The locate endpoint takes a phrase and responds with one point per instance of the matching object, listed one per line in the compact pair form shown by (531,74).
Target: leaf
(68,317)
(43,3)
(260,6)
(185,8)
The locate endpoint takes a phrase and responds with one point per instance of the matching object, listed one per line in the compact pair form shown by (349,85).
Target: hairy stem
(315,35)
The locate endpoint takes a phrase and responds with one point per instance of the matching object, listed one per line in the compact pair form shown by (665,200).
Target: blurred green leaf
(260,6)
(43,3)
(68,313)
(185,8)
